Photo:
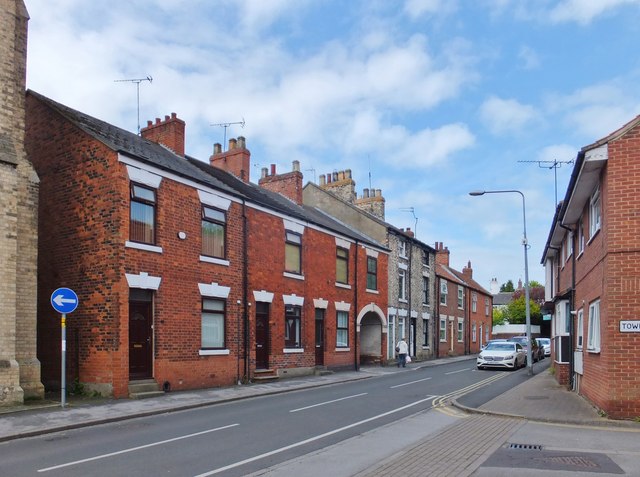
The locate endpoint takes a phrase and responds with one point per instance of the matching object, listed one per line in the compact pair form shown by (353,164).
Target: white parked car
(507,354)
(546,344)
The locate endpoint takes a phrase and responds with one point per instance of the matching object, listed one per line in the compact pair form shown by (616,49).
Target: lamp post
(526,268)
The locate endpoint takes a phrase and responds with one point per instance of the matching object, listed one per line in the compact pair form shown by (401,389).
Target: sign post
(64,300)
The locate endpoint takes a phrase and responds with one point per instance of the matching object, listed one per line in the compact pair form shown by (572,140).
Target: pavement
(457,449)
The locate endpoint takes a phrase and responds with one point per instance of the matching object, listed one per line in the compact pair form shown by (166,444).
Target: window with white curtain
(213,315)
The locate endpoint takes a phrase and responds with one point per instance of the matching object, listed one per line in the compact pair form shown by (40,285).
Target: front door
(319,337)
(140,343)
(262,335)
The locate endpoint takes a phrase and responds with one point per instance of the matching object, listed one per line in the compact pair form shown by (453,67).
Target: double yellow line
(443,403)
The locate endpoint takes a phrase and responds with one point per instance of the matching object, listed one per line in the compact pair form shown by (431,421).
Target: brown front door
(262,335)
(319,337)
(140,342)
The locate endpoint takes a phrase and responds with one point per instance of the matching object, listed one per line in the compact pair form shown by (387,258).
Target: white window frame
(402,248)
(460,330)
(444,292)
(595,213)
(474,302)
(460,297)
(474,332)
(442,332)
(580,330)
(402,285)
(401,327)
(580,237)
(593,333)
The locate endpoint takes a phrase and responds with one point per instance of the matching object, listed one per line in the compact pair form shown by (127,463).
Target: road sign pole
(63,373)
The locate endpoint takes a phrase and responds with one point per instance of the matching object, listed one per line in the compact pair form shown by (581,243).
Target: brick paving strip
(456,451)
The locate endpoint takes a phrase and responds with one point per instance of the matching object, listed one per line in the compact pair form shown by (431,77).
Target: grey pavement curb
(592,423)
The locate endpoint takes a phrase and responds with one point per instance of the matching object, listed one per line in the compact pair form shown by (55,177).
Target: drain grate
(525,446)
(572,460)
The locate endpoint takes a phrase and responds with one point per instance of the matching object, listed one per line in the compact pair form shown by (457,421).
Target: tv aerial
(553,165)
(226,125)
(137,81)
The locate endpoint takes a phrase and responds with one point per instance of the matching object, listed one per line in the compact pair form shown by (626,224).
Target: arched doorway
(372,334)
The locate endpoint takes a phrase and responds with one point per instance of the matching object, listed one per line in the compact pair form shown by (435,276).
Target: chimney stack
(288,184)
(236,160)
(169,133)
(442,254)
(467,272)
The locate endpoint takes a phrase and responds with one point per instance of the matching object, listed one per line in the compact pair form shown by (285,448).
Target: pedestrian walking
(402,348)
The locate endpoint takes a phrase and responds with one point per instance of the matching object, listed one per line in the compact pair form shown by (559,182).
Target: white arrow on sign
(59,300)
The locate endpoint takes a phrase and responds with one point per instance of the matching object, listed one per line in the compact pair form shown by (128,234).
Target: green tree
(535,284)
(516,313)
(507,287)
(498,317)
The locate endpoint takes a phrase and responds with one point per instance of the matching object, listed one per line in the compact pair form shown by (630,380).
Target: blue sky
(424,99)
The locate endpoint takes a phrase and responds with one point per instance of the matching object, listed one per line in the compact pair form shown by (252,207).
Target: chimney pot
(217,148)
(149,123)
(174,115)
(242,142)
(264,172)
(296,166)
(166,118)
(341,175)
(232,144)
(335,176)
(365,193)
(322,179)
(157,120)
(348,173)
(273,169)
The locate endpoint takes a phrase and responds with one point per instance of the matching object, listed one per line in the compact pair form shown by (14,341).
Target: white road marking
(459,371)
(133,449)
(410,382)
(328,402)
(311,439)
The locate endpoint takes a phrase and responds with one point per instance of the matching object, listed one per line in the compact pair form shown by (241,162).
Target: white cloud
(585,11)
(419,8)
(557,152)
(597,110)
(582,12)
(506,115)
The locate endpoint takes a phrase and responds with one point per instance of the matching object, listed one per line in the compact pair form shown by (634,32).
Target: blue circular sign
(64,300)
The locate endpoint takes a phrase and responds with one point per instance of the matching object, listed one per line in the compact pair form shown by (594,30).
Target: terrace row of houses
(187,273)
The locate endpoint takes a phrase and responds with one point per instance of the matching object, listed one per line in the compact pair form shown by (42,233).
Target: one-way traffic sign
(64,300)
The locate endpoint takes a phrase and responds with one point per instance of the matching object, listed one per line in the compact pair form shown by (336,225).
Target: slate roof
(502,298)
(157,155)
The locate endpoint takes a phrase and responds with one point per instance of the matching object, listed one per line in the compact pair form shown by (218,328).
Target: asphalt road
(241,437)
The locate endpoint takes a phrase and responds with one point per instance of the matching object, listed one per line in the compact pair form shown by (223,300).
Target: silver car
(506,354)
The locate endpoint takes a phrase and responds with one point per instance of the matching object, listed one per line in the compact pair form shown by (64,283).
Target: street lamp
(476,193)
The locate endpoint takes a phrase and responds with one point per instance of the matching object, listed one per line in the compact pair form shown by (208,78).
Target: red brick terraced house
(411,275)
(465,309)
(592,261)
(188,275)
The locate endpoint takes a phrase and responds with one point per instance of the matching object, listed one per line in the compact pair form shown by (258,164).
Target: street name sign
(630,326)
